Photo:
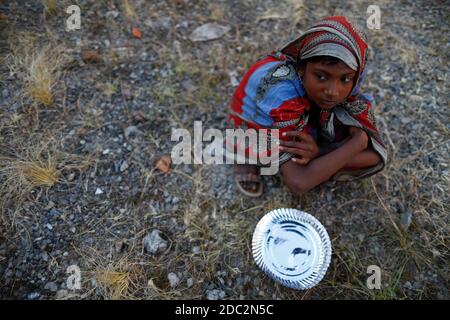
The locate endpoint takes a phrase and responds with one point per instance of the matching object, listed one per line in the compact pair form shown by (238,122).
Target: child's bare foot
(248,180)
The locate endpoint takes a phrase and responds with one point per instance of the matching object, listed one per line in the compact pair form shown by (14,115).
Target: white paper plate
(292,247)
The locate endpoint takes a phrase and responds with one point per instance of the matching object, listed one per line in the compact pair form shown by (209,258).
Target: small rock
(132,131)
(49,226)
(188,85)
(405,120)
(106,151)
(183,24)
(71,177)
(161,24)
(190,282)
(61,294)
(98,191)
(51,286)
(406,219)
(117,166)
(233,78)
(173,279)
(33,295)
(123,166)
(208,31)
(215,294)
(153,243)
(112,14)
(54,212)
(50,205)
(90,56)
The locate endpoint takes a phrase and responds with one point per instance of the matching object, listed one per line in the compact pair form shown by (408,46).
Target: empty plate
(292,247)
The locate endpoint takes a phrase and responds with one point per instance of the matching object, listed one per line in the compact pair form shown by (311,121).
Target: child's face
(327,84)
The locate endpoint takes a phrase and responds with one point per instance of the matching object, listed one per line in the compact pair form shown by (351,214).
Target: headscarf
(334,36)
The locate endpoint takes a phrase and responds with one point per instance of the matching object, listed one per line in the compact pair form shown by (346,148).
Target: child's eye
(320,77)
(347,79)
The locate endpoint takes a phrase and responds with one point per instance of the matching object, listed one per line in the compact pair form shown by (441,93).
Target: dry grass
(129,9)
(50,6)
(43,75)
(112,277)
(35,164)
(31,167)
(37,66)
(115,284)
(37,174)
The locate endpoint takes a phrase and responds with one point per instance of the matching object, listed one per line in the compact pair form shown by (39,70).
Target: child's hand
(302,145)
(360,135)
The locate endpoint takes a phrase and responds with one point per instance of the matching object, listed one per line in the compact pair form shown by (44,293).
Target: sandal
(244,181)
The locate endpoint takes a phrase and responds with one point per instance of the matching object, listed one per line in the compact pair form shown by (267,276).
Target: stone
(33,296)
(51,286)
(132,131)
(208,31)
(406,219)
(173,279)
(215,294)
(153,243)
(61,294)
(123,166)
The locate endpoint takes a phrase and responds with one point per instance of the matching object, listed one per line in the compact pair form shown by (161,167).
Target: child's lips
(328,102)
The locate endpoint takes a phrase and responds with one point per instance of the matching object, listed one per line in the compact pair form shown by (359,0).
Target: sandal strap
(247,177)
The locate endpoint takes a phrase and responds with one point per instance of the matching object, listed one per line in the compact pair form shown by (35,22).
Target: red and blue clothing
(270,95)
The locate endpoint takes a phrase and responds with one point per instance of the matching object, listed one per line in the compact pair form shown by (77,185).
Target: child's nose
(332,90)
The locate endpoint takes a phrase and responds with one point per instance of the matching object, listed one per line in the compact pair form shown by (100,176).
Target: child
(309,90)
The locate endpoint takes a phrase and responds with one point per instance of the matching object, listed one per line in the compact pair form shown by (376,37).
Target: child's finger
(300,161)
(305,136)
(299,135)
(290,134)
(296,144)
(295,151)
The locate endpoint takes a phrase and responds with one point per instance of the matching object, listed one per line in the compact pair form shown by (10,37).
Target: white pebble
(173,279)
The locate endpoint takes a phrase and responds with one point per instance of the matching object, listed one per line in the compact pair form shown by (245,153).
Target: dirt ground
(86,114)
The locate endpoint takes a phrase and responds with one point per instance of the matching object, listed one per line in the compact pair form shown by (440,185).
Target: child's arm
(300,178)
(364,159)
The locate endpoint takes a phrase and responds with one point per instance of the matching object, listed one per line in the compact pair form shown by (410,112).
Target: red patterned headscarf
(334,36)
